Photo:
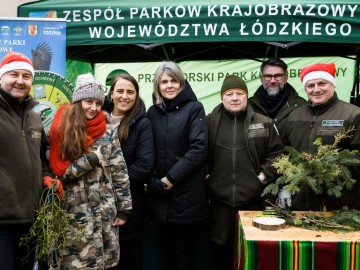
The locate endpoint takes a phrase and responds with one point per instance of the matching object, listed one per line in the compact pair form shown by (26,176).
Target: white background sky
(9,7)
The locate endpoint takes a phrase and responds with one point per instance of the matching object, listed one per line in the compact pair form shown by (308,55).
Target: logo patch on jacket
(332,123)
(258,130)
(256,126)
(103,141)
(36,134)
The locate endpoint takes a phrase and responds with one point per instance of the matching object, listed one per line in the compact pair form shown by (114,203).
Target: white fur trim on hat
(319,75)
(16,65)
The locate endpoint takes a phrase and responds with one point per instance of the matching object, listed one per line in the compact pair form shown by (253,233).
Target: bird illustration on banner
(41,56)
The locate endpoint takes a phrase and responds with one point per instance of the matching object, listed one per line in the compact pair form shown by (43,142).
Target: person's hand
(98,154)
(119,222)
(48,182)
(168,185)
(156,185)
(262,178)
(284,199)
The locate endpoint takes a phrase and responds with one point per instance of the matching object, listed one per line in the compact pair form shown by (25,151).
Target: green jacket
(294,101)
(21,167)
(307,123)
(263,144)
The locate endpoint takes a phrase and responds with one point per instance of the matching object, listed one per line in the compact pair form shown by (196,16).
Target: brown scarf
(95,129)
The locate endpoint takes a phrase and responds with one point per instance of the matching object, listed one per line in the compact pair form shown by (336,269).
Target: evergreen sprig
(325,171)
(344,220)
(48,232)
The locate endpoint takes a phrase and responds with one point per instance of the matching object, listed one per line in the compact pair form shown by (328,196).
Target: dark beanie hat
(232,81)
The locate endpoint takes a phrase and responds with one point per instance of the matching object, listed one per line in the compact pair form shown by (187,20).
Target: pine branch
(325,171)
(342,220)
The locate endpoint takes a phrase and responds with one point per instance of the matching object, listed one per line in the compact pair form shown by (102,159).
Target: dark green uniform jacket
(20,162)
(262,143)
(293,101)
(307,123)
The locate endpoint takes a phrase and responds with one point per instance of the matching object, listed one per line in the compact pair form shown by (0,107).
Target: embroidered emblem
(103,141)
(332,123)
(36,134)
(256,126)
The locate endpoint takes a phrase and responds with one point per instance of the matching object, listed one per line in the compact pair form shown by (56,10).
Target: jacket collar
(185,95)
(322,108)
(13,102)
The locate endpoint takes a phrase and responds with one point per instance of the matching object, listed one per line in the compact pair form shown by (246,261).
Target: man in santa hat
(22,159)
(324,116)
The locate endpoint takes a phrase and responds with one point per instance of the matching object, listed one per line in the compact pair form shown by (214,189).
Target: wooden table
(294,248)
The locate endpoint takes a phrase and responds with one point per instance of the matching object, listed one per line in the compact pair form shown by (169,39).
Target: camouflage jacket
(94,197)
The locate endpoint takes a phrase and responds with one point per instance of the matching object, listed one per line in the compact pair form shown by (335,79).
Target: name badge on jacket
(258,130)
(332,123)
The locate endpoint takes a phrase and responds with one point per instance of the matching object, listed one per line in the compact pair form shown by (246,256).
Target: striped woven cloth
(295,255)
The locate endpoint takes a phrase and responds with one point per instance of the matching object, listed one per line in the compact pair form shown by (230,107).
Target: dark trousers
(13,257)
(178,243)
(131,256)
(222,257)
(223,224)
(223,221)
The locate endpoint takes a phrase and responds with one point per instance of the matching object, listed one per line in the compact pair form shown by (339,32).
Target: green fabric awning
(95,22)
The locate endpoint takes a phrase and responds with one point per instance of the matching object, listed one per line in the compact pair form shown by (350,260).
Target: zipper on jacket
(24,121)
(246,136)
(233,162)
(307,203)
(312,131)
(277,131)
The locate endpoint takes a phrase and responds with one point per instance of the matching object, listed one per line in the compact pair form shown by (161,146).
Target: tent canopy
(183,30)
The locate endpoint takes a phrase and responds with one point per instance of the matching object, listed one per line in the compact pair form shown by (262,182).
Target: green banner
(206,77)
(94,22)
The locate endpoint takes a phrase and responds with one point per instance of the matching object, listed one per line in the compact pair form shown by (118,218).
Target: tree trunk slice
(269,223)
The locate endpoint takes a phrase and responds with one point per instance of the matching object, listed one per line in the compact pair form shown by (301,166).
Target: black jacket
(263,145)
(138,150)
(23,161)
(181,139)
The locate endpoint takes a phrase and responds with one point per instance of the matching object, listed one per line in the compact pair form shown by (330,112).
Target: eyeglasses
(268,77)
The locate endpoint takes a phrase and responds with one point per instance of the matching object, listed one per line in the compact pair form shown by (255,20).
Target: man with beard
(275,98)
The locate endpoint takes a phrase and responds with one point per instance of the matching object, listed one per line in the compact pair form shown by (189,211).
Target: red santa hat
(318,71)
(15,60)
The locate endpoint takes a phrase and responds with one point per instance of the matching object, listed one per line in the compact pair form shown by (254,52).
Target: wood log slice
(268,223)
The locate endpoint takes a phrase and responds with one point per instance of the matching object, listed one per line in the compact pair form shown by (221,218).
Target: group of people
(114,162)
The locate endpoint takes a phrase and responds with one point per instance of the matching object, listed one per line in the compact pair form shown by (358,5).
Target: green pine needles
(326,171)
(343,220)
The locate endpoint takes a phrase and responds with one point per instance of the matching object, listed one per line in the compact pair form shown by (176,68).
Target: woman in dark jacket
(133,128)
(177,190)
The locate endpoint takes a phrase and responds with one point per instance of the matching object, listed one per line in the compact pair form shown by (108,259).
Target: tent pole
(166,55)
(355,97)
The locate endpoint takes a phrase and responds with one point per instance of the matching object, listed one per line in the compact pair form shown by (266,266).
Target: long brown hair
(124,127)
(73,127)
